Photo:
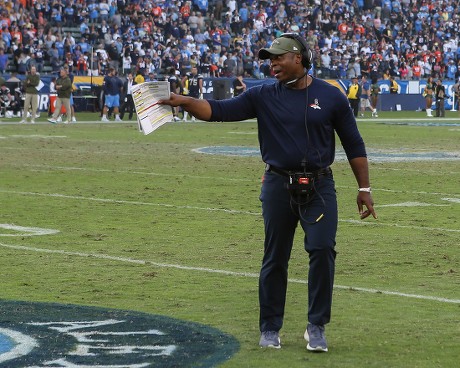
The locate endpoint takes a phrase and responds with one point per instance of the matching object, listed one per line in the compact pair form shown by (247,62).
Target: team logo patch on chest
(315,105)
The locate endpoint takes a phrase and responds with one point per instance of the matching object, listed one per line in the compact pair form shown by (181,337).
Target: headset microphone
(292,81)
(295,80)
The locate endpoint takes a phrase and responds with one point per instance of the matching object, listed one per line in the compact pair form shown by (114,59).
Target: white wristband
(367,190)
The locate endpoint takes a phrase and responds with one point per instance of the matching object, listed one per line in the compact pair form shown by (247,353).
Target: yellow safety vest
(353,92)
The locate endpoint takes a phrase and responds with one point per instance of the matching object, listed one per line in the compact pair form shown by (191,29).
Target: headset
(307,55)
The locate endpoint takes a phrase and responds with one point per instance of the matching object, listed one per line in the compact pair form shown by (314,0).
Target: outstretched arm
(360,168)
(199,108)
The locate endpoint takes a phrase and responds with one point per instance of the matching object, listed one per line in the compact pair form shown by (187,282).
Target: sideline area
(401,117)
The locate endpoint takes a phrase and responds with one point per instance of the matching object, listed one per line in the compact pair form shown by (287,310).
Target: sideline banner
(86,86)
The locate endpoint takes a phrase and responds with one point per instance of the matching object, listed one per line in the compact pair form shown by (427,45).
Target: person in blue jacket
(297,117)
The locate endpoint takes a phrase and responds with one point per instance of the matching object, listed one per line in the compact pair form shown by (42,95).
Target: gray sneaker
(270,339)
(315,337)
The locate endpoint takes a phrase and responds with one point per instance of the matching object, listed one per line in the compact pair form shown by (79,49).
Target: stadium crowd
(406,39)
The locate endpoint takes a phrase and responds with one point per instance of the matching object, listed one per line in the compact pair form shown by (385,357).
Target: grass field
(149,224)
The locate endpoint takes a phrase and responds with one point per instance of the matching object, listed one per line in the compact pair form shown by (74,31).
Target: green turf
(111,191)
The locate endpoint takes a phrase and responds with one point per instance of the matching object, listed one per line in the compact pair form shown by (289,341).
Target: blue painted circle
(6,344)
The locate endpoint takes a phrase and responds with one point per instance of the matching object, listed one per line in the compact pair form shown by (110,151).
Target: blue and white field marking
(374,155)
(424,122)
(14,344)
(39,335)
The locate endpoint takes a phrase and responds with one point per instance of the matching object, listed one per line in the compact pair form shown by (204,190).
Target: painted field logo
(229,150)
(39,335)
(373,155)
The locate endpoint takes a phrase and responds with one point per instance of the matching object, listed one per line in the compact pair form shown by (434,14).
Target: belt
(317,173)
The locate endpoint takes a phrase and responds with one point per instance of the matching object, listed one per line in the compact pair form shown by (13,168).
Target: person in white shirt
(126,63)
(128,102)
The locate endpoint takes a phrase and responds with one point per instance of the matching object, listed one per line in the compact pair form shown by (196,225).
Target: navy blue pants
(281,218)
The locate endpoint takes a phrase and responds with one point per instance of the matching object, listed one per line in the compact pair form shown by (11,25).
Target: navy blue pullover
(291,132)
(112,85)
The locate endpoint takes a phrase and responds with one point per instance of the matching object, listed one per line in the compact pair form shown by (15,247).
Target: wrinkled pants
(280,222)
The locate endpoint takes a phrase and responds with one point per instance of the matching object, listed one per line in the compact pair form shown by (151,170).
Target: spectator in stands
(104,9)
(354,68)
(53,56)
(150,77)
(94,65)
(218,7)
(186,10)
(38,58)
(404,71)
(438,69)
(93,9)
(69,41)
(416,70)
(126,62)
(69,62)
(231,65)
(84,28)
(83,45)
(82,65)
(24,63)
(3,61)
(451,70)
(113,55)
(342,69)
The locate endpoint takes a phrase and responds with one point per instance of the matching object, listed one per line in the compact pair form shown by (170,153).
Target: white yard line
(131,172)
(217,271)
(225,178)
(26,231)
(211,209)
(411,204)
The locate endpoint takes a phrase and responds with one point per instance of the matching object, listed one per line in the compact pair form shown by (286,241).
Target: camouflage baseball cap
(281,46)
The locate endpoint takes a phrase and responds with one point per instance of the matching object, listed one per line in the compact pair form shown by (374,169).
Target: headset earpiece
(307,55)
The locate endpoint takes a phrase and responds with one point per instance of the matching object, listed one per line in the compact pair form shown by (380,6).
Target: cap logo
(295,48)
